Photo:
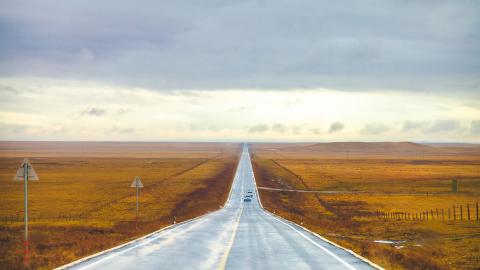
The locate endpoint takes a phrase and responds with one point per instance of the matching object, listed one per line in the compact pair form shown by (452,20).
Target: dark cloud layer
(352,45)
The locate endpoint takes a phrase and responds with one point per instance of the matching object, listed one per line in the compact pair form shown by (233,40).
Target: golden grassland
(354,181)
(83,202)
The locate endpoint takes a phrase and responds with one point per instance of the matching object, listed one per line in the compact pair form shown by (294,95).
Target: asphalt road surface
(242,235)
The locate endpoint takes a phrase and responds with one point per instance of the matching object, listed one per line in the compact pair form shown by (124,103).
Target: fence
(458,213)
(19,218)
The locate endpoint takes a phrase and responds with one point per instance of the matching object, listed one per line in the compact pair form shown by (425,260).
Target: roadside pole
(137,184)
(25,207)
(26,173)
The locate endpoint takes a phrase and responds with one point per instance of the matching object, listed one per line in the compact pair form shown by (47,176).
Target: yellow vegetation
(354,185)
(83,202)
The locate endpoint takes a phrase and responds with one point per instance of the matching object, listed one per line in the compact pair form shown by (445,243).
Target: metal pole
(25,214)
(136,213)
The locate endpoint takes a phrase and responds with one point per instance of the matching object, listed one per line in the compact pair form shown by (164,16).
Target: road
(241,235)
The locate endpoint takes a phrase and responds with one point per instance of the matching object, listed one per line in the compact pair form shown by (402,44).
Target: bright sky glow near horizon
(240,71)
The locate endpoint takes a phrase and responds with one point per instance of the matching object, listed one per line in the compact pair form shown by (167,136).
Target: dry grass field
(83,202)
(353,182)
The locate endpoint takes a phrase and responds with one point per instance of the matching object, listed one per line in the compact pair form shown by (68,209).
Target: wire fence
(11,219)
(457,213)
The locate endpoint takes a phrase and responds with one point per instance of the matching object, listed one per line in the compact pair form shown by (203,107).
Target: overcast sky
(240,70)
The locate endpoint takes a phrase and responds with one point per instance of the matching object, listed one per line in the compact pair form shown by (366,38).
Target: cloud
(374,129)
(279,128)
(260,128)
(433,127)
(412,125)
(297,130)
(8,89)
(294,102)
(94,112)
(122,130)
(475,127)
(336,126)
(123,111)
(214,129)
(246,44)
(441,126)
(315,131)
(14,128)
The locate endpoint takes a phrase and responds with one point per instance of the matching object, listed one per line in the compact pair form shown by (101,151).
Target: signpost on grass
(26,173)
(137,184)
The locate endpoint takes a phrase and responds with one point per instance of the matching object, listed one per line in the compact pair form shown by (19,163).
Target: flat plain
(83,202)
(373,198)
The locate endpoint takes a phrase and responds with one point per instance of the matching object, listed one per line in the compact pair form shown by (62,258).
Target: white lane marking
(349,266)
(143,243)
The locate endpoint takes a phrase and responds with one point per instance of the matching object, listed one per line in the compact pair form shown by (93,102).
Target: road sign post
(137,184)
(26,173)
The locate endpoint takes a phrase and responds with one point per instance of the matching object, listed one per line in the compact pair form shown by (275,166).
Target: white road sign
(32,175)
(137,183)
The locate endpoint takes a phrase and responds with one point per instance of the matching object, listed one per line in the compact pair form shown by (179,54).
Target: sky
(265,70)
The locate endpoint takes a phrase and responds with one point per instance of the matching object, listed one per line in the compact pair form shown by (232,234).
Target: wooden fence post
(443,215)
(454,214)
(461,213)
(449,216)
(431,211)
(476,206)
(468,212)
(436,210)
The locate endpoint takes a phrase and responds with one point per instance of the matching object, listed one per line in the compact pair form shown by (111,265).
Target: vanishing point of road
(241,235)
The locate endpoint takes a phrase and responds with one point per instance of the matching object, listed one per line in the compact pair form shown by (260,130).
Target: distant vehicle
(248,196)
(247,199)
(250,192)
